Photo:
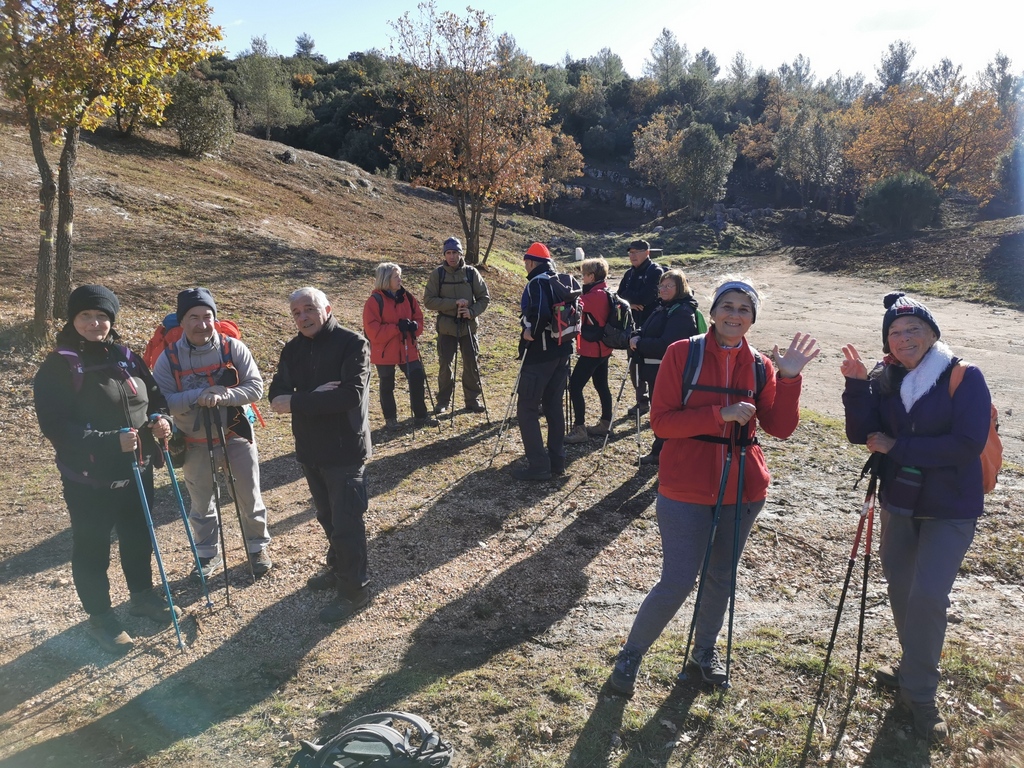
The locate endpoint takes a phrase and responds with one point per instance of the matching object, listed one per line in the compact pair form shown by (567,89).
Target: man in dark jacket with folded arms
(639,286)
(322,380)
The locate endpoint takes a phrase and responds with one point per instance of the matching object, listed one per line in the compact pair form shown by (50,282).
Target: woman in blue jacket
(930,485)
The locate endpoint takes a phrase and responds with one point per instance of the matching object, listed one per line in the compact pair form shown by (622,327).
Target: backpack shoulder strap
(956,375)
(760,372)
(691,368)
(380,302)
(440,278)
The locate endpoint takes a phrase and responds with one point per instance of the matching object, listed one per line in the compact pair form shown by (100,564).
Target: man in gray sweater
(209,369)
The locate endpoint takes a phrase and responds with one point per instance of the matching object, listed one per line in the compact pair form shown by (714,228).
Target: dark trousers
(471,389)
(640,386)
(95,512)
(415,376)
(341,498)
(541,388)
(590,369)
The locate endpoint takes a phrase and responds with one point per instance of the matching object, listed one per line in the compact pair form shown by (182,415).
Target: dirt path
(841,310)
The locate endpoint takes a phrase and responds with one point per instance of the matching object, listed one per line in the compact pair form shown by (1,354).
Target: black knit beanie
(898,304)
(93,297)
(195,297)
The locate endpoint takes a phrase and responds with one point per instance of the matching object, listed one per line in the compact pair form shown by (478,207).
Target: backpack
(566,309)
(620,327)
(380,740)
(695,360)
(167,333)
(78,371)
(470,274)
(992,454)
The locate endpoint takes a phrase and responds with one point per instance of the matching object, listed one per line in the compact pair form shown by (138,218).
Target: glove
(407,326)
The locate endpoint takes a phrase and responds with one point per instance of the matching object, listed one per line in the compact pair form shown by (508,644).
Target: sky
(768,33)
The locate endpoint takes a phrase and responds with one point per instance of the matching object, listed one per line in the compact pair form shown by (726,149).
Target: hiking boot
(107,631)
(578,435)
(928,722)
(602,428)
(623,677)
(712,668)
(391,424)
(643,409)
(440,409)
(260,561)
(652,459)
(529,473)
(888,676)
(323,581)
(344,607)
(209,566)
(475,408)
(557,467)
(152,605)
(425,421)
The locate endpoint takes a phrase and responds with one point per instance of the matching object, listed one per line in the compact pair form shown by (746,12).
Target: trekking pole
(707,556)
(455,366)
(184,515)
(231,484)
(408,367)
(137,472)
(867,515)
(508,408)
(741,433)
(615,409)
(479,377)
(207,424)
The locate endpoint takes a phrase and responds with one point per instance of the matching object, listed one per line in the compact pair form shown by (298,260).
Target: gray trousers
(245,465)
(685,529)
(541,389)
(920,560)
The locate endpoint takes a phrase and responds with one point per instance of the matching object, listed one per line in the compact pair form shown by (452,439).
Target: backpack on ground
(381,740)
(992,454)
(566,309)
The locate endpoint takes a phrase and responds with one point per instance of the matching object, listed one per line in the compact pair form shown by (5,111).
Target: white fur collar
(919,382)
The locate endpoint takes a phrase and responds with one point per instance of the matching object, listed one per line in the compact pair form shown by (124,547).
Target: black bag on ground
(381,740)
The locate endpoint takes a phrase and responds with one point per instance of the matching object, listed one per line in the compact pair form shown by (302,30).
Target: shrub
(1009,173)
(201,114)
(904,202)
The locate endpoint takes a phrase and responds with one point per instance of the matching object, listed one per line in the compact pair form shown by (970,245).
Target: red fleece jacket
(380,324)
(690,470)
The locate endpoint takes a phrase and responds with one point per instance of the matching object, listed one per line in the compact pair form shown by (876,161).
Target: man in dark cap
(209,369)
(458,294)
(639,286)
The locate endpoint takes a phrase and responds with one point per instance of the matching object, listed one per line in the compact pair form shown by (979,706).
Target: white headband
(737,285)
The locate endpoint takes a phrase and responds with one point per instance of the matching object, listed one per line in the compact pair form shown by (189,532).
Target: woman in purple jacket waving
(931,485)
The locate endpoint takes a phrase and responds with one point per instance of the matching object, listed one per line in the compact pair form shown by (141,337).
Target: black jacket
(82,413)
(640,286)
(668,323)
(331,428)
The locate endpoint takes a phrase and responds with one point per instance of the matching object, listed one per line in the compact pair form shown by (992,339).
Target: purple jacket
(941,436)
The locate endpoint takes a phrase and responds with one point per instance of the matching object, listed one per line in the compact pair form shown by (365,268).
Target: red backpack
(167,333)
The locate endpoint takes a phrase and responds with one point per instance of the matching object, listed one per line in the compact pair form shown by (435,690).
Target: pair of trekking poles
(208,421)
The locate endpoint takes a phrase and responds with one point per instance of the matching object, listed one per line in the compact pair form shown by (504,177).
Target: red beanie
(538,252)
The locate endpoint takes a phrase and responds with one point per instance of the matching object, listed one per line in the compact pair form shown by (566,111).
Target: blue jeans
(685,530)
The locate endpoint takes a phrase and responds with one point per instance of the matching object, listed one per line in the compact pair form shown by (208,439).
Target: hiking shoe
(557,467)
(712,668)
(440,409)
(578,435)
(928,722)
(643,409)
(888,676)
(391,424)
(323,581)
(475,408)
(602,428)
(650,460)
(209,566)
(623,677)
(425,421)
(260,562)
(152,605)
(107,631)
(343,608)
(529,473)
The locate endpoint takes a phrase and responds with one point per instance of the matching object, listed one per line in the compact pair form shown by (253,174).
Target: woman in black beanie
(86,391)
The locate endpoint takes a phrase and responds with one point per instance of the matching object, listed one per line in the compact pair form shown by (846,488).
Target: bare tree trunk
(45,261)
(494,231)
(65,221)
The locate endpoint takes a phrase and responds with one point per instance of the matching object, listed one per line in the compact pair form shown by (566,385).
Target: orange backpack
(167,333)
(992,454)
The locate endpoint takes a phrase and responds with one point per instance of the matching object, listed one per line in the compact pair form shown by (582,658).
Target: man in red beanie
(544,371)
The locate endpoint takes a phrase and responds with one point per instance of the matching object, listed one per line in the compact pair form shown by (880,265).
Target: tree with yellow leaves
(475,125)
(71,63)
(954,137)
